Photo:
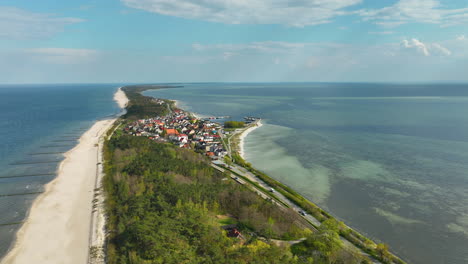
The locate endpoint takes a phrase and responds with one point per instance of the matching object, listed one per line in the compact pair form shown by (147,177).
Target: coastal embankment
(58,227)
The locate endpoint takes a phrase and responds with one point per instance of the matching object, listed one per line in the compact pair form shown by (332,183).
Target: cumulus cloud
(425,49)
(17,23)
(416,45)
(296,13)
(62,56)
(419,11)
(440,50)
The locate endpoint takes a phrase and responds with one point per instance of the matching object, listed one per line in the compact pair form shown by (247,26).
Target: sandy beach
(121,98)
(58,227)
(244,134)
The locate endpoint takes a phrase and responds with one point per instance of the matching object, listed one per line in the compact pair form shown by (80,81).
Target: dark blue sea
(38,123)
(390,160)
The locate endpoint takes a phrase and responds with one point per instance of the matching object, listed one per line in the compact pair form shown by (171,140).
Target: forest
(167,205)
(141,106)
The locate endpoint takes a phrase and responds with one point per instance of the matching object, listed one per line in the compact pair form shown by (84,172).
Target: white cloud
(419,11)
(16,23)
(440,50)
(425,49)
(416,45)
(461,37)
(303,61)
(326,57)
(227,55)
(62,56)
(296,13)
(262,47)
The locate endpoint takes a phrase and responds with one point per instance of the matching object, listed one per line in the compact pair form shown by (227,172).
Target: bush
(234,124)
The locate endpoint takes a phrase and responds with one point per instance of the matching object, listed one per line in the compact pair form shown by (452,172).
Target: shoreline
(244,134)
(58,226)
(121,98)
(177,105)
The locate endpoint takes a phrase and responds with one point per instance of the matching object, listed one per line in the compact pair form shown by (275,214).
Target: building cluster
(182,129)
(158,101)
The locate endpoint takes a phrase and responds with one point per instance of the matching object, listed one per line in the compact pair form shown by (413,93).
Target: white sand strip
(57,229)
(121,98)
(244,134)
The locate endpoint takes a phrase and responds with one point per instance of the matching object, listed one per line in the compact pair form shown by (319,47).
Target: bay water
(38,123)
(390,160)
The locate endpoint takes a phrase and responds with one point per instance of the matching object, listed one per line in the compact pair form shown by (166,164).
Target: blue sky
(51,41)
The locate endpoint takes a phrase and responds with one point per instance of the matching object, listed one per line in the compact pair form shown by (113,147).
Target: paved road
(241,181)
(314,222)
(241,171)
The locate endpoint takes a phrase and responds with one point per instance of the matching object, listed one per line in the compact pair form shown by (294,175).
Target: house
(183,137)
(234,233)
(171,131)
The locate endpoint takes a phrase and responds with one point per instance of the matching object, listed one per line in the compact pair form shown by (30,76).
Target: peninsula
(177,190)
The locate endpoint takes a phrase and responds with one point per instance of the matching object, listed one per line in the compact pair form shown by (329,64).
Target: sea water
(390,160)
(38,123)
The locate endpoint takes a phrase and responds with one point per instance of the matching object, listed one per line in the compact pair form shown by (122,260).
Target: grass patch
(226,220)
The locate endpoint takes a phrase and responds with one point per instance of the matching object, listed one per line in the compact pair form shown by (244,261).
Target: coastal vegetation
(234,124)
(141,106)
(163,202)
(167,204)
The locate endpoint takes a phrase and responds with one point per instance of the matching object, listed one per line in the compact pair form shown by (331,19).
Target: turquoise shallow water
(37,124)
(391,160)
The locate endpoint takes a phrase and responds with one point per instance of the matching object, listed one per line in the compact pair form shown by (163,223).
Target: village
(184,130)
